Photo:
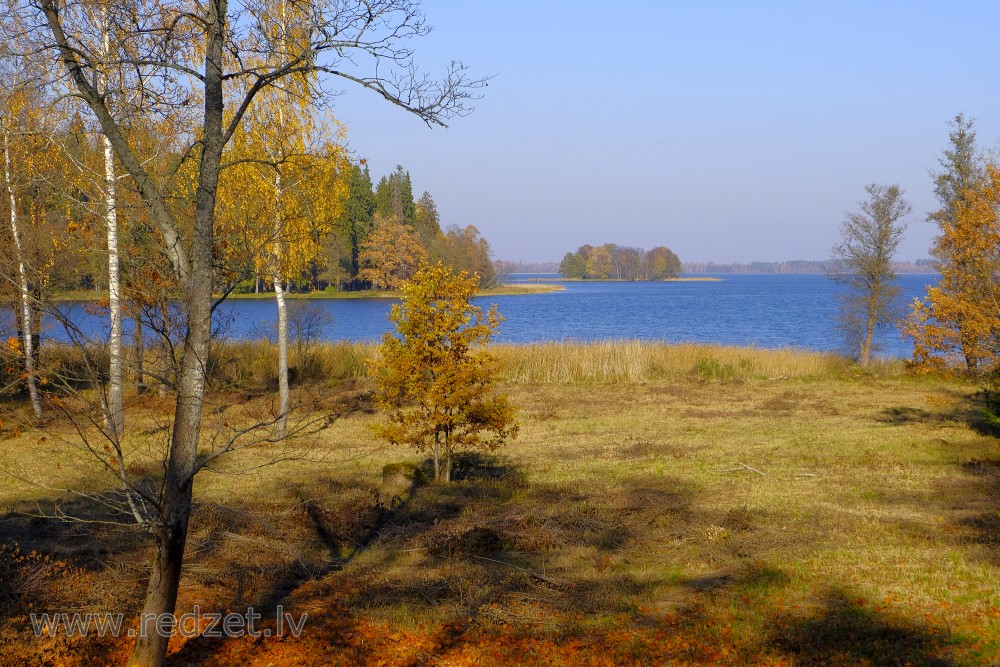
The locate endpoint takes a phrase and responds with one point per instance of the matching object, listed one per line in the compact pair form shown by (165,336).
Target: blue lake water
(763,310)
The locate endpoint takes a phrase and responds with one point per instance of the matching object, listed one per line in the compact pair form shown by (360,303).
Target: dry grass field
(663,505)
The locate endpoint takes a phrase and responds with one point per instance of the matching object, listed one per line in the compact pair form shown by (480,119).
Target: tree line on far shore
(614,262)
(383,236)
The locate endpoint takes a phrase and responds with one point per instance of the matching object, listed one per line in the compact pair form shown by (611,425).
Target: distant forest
(614,262)
(797,266)
(506,267)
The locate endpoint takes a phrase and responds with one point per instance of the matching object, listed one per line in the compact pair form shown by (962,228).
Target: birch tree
(115,409)
(10,130)
(184,60)
(282,196)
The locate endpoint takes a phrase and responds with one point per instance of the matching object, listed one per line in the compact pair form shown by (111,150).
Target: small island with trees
(614,262)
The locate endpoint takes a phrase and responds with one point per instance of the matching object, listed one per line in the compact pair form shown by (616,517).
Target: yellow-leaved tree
(436,378)
(958,323)
(281,192)
(391,254)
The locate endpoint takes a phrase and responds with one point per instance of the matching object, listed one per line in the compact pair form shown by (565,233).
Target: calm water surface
(763,310)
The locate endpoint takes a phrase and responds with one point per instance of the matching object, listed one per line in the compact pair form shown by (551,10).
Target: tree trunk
(866,343)
(114,416)
(437,457)
(446,449)
(284,399)
(140,353)
(161,592)
(167,375)
(196,275)
(24,285)
(116,404)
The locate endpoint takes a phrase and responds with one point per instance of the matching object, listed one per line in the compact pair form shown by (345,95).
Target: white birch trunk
(115,416)
(284,398)
(116,403)
(25,287)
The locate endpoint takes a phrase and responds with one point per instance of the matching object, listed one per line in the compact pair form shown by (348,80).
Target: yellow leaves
(285,186)
(435,379)
(14,344)
(391,254)
(952,326)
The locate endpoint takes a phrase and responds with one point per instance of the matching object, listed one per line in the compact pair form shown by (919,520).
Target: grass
(664,504)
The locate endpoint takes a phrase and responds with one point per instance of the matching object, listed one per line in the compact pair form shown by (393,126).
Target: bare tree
(184,58)
(869,238)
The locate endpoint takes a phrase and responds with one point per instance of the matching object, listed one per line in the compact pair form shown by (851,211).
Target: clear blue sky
(728,131)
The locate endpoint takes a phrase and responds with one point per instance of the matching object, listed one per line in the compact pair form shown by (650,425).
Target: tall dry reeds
(252,365)
(624,361)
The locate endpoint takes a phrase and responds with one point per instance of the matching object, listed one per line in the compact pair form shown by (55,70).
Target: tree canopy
(613,262)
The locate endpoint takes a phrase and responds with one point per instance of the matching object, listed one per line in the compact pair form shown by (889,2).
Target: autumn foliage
(391,254)
(435,379)
(959,320)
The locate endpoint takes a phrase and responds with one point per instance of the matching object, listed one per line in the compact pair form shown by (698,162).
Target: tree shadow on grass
(983,480)
(843,631)
(494,558)
(92,536)
(477,548)
(51,566)
(965,408)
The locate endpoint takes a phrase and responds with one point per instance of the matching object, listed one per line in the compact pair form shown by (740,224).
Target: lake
(764,310)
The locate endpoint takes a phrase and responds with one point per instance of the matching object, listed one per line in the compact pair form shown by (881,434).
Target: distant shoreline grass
(680,279)
(516,289)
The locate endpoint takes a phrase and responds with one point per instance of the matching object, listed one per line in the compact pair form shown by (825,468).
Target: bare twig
(743,467)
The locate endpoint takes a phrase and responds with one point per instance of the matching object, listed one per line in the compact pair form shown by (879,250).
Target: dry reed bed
(252,365)
(616,361)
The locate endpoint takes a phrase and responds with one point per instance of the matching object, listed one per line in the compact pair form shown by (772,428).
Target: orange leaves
(954,324)
(391,254)
(435,379)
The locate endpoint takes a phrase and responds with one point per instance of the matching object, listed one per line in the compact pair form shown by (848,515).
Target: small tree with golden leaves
(435,379)
(958,323)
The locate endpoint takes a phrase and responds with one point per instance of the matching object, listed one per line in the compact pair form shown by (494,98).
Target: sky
(727,131)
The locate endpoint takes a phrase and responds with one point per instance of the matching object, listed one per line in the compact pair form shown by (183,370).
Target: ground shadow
(965,408)
(843,631)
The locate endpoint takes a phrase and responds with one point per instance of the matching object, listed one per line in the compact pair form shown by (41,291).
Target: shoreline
(680,279)
(516,289)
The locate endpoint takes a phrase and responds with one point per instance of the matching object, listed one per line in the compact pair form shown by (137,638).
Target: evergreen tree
(394,197)
(407,209)
(383,198)
(962,171)
(427,221)
(357,221)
